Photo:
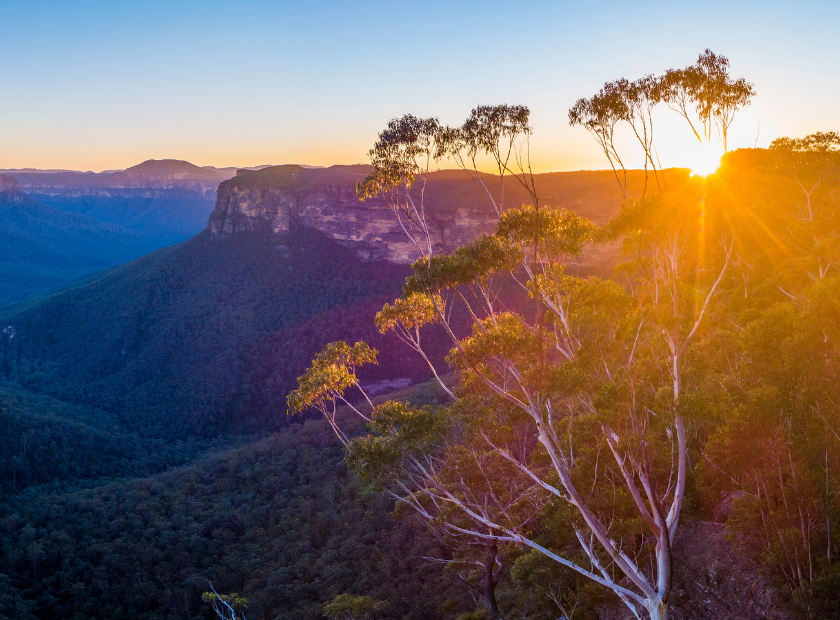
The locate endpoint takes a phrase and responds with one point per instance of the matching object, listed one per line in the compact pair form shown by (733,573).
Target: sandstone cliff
(282,197)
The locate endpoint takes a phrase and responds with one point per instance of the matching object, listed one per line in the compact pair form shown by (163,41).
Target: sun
(704,159)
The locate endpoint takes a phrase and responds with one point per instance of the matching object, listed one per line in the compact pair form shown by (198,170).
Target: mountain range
(167,199)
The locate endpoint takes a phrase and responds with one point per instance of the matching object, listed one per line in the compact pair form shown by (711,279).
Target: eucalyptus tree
(622,101)
(226,606)
(500,132)
(641,97)
(402,159)
(718,96)
(706,86)
(808,160)
(543,401)
(715,95)
(539,399)
(599,115)
(570,411)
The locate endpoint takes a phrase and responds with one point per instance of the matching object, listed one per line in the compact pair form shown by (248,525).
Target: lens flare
(704,159)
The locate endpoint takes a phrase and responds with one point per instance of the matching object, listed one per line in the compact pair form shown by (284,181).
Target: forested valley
(635,417)
(92,529)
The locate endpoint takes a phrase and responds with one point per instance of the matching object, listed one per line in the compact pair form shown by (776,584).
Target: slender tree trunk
(488,583)
(827,509)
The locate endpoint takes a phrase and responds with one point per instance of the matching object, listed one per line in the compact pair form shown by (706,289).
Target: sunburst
(704,159)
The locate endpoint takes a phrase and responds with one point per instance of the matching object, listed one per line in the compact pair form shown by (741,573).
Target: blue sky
(99,85)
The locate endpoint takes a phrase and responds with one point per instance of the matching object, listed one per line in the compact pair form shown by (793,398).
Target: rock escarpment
(280,198)
(167,198)
(283,197)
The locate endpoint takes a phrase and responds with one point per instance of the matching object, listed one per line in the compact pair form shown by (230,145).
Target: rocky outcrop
(283,197)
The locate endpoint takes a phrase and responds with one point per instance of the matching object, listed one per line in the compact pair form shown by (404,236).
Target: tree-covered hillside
(171,216)
(47,441)
(281,522)
(43,247)
(205,337)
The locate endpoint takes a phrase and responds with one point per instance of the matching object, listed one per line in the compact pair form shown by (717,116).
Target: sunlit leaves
(470,263)
(559,232)
(412,311)
(226,606)
(505,339)
(349,607)
(332,371)
(488,126)
(402,152)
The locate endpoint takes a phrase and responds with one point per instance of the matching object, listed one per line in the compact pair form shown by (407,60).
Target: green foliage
(46,441)
(486,128)
(402,152)
(558,232)
(12,605)
(278,521)
(469,263)
(202,338)
(412,311)
(348,607)
(398,432)
(333,371)
(44,248)
(226,606)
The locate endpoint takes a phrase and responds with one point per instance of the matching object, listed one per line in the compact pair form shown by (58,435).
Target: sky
(106,85)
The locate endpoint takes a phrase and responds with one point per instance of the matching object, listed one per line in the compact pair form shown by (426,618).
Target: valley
(148,451)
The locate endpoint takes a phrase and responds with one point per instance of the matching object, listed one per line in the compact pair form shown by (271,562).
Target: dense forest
(280,520)
(201,338)
(171,216)
(44,247)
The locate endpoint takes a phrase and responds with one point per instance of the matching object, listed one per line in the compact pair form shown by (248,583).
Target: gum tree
(568,410)
(808,160)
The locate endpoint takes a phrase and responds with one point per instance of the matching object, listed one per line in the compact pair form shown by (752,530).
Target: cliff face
(283,197)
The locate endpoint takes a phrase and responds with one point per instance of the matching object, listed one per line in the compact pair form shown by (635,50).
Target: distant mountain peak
(167,169)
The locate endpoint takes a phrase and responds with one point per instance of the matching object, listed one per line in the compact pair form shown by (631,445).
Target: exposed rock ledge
(282,197)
